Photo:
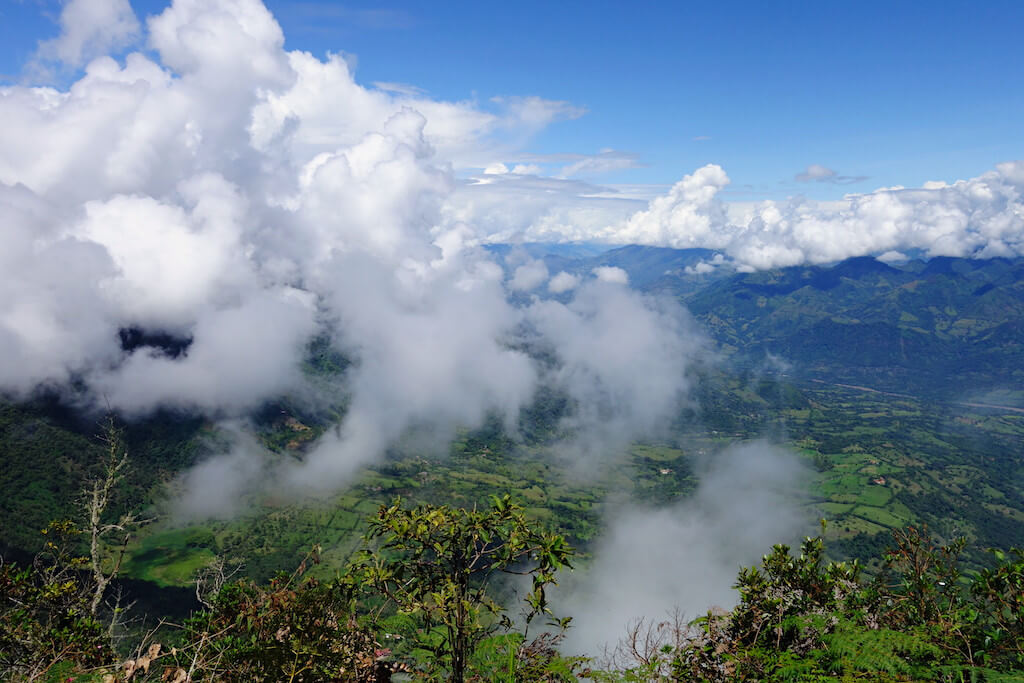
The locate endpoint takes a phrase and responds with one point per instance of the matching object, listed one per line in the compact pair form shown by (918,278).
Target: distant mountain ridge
(950,328)
(660,269)
(942,327)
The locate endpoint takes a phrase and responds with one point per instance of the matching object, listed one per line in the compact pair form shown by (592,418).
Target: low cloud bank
(651,561)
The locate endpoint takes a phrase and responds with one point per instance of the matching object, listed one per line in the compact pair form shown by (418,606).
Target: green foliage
(801,618)
(45,615)
(776,600)
(926,588)
(999,601)
(510,658)
(293,629)
(852,650)
(437,563)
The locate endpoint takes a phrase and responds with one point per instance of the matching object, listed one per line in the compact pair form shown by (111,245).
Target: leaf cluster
(801,618)
(294,629)
(45,614)
(437,564)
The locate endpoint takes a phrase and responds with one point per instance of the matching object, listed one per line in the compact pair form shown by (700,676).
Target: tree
(44,610)
(999,597)
(294,629)
(437,563)
(103,564)
(50,612)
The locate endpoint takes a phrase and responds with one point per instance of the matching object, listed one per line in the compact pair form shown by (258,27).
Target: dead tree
(97,500)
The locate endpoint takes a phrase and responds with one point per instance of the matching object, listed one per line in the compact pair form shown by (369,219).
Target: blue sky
(881,93)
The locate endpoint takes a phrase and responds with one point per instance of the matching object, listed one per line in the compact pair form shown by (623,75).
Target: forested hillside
(948,328)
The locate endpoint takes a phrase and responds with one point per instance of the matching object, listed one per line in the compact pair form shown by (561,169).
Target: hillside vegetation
(896,386)
(417,600)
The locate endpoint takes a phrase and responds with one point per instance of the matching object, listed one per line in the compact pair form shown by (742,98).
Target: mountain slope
(940,328)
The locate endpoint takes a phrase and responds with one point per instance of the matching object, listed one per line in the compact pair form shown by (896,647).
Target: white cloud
(496,169)
(688,216)
(705,267)
(892,257)
(563,282)
(685,556)
(233,43)
(462,133)
(529,276)
(185,256)
(604,162)
(514,208)
(90,28)
(816,172)
(622,359)
(981,217)
(240,356)
(244,198)
(611,274)
(527,169)
(537,113)
(823,174)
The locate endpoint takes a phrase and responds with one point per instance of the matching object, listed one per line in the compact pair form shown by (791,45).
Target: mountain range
(946,328)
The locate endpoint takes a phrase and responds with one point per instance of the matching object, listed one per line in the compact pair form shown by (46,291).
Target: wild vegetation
(422,585)
(878,462)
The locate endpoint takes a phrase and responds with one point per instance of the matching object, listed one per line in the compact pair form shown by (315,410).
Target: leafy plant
(45,610)
(293,629)
(999,596)
(437,563)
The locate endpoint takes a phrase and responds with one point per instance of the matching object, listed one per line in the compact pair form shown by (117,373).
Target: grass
(171,557)
(930,461)
(880,516)
(830,510)
(874,496)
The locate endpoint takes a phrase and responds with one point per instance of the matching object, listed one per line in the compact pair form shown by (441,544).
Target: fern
(852,649)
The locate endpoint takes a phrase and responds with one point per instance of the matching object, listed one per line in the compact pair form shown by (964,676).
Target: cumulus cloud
(496,169)
(686,556)
(705,267)
(688,216)
(622,359)
(529,276)
(89,28)
(563,282)
(239,199)
(981,217)
(611,274)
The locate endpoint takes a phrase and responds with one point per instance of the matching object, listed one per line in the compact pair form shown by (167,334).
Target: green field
(876,462)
